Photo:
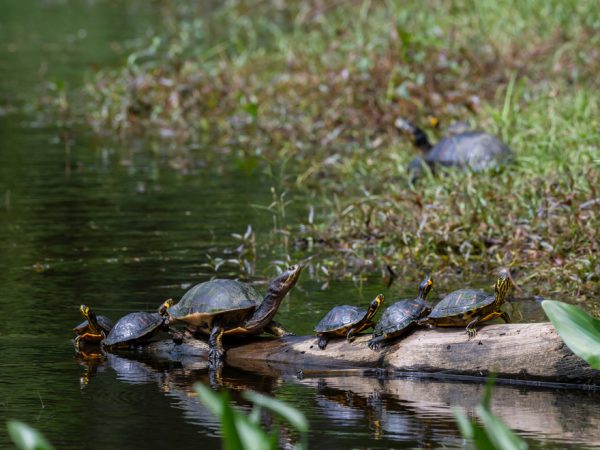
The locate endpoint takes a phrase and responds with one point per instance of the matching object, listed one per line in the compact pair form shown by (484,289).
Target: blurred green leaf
(240,432)
(494,434)
(497,434)
(288,413)
(579,330)
(26,437)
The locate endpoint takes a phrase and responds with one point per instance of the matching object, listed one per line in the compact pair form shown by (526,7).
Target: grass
(311,91)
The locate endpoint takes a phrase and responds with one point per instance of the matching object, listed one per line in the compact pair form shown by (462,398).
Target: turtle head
(90,316)
(375,305)
(503,285)
(163,309)
(414,133)
(425,287)
(85,311)
(285,281)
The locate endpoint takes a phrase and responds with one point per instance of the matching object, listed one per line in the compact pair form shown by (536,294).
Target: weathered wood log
(528,351)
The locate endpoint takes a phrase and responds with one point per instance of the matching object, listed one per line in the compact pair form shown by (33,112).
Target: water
(113,227)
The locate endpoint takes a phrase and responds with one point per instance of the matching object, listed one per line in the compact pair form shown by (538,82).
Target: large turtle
(467,307)
(346,321)
(93,329)
(135,328)
(230,307)
(402,316)
(463,148)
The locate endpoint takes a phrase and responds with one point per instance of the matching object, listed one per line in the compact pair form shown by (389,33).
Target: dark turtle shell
(231,300)
(133,328)
(399,316)
(475,150)
(104,323)
(461,302)
(340,318)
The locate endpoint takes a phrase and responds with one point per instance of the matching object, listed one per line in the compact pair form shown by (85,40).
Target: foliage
(26,437)
(579,330)
(244,432)
(310,90)
(493,433)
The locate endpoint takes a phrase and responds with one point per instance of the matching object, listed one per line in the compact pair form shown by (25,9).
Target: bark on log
(528,351)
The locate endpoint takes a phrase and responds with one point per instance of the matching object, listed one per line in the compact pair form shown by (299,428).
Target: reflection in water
(355,409)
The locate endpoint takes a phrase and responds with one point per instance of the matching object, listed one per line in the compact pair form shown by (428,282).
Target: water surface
(86,220)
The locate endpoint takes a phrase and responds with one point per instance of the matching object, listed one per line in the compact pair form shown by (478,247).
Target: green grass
(311,91)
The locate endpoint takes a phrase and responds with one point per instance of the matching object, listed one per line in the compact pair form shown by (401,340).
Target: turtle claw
(375,346)
(472,332)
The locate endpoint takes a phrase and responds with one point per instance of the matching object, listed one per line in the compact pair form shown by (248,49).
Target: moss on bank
(312,91)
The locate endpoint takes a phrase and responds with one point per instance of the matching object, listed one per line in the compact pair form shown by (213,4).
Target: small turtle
(230,307)
(346,321)
(135,328)
(467,307)
(402,316)
(464,148)
(93,329)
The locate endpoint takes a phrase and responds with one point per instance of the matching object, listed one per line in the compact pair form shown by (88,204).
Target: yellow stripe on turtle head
(375,304)
(85,311)
(503,285)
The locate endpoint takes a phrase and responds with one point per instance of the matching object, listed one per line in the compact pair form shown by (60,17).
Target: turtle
(93,329)
(468,149)
(402,316)
(346,321)
(229,307)
(135,328)
(468,307)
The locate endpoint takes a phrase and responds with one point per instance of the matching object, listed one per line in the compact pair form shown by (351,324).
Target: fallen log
(527,351)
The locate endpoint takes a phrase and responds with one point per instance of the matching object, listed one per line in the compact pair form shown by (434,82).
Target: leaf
(465,426)
(579,330)
(219,406)
(293,416)
(26,437)
(470,429)
(500,436)
(239,431)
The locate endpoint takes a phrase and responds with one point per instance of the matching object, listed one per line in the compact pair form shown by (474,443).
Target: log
(519,352)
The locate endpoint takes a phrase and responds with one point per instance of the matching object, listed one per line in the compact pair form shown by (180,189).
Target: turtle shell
(340,318)
(399,316)
(473,149)
(230,300)
(460,302)
(103,321)
(134,327)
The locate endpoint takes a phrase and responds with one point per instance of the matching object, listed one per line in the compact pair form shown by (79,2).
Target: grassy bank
(311,90)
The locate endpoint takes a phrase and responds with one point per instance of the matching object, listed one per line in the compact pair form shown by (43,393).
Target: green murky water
(114,227)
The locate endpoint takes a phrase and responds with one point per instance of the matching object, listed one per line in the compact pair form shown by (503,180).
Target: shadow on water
(361,407)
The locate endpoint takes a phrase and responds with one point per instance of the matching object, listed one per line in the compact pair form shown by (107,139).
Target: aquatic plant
(492,433)
(26,437)
(579,330)
(245,432)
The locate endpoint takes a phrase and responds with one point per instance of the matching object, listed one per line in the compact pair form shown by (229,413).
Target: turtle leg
(350,336)
(375,343)
(276,329)
(323,340)
(471,330)
(88,337)
(216,352)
